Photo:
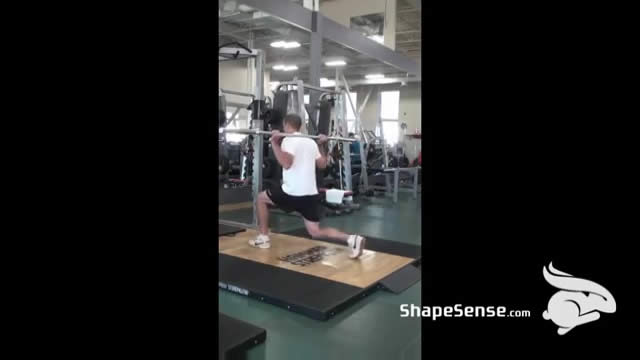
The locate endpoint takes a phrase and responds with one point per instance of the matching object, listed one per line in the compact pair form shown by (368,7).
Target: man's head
(292,123)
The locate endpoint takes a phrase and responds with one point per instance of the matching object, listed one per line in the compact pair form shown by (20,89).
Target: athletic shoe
(356,244)
(262,241)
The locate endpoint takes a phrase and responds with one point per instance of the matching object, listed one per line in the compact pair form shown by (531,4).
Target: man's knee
(263,197)
(315,231)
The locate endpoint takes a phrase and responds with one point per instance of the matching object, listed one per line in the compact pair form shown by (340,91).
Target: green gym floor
(370,329)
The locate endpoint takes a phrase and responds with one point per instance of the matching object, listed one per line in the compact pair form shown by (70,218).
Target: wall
(410,109)
(341,11)
(232,75)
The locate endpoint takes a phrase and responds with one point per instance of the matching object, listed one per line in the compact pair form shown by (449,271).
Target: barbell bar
(269,133)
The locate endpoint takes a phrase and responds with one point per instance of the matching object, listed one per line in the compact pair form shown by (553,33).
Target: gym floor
(370,329)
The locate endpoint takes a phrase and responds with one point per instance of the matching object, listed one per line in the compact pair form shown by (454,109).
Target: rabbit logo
(578,302)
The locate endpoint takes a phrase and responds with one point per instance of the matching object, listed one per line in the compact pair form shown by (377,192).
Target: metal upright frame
(364,179)
(226,54)
(341,120)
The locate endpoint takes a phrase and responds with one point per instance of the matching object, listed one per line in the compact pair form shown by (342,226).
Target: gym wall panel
(232,75)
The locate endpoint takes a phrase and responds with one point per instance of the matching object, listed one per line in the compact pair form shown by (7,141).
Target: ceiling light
(285,44)
(285,67)
(291,45)
(336,63)
(374,76)
(381,81)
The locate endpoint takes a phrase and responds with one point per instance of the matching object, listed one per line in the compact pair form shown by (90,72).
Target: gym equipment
(235,337)
(319,289)
(223,163)
(279,110)
(226,52)
(413,171)
(270,168)
(268,133)
(324,117)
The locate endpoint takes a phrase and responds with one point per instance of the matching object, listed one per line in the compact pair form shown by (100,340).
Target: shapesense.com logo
(457,311)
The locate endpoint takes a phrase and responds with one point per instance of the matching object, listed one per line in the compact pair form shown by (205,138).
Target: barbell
(269,133)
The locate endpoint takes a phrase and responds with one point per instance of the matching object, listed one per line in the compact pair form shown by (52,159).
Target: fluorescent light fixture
(381,81)
(291,45)
(374,76)
(336,63)
(324,82)
(377,38)
(285,44)
(281,67)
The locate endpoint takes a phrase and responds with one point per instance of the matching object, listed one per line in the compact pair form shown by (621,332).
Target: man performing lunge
(299,157)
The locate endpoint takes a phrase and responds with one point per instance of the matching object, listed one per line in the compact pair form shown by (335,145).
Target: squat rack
(240,53)
(340,115)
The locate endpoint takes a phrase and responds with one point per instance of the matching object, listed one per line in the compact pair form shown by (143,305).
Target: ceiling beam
(300,17)
(284,10)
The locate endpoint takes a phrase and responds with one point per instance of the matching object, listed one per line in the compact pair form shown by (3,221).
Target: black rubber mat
(228,230)
(244,216)
(380,245)
(235,337)
(234,195)
(402,279)
(312,296)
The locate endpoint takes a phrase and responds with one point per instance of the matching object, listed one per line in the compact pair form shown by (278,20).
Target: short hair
(293,120)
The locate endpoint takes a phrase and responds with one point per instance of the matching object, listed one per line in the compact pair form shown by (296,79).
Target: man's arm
(284,158)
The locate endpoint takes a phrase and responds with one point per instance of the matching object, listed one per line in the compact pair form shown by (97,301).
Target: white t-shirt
(300,178)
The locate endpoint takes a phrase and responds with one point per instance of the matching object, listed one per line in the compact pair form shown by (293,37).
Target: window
(351,117)
(391,131)
(389,112)
(389,105)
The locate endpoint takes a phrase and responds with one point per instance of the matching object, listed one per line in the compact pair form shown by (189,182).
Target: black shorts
(307,206)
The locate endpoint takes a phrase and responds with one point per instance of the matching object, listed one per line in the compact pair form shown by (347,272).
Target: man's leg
(354,242)
(263,212)
(316,231)
(262,240)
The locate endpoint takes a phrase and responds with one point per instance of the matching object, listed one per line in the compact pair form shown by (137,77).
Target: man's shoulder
(302,140)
